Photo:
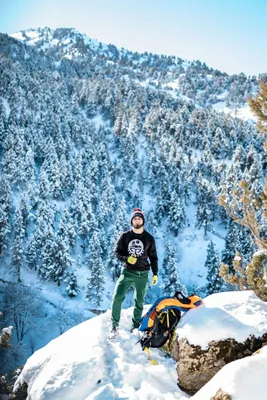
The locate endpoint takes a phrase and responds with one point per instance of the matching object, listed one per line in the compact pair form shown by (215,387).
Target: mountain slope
(84,364)
(194,80)
(85,138)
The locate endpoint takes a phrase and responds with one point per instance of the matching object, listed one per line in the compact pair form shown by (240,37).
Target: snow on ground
(84,364)
(225,315)
(6,107)
(241,112)
(18,36)
(243,379)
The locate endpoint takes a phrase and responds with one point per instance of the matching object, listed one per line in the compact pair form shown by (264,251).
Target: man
(134,248)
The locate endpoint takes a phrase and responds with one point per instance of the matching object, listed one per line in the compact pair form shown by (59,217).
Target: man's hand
(154,280)
(131,260)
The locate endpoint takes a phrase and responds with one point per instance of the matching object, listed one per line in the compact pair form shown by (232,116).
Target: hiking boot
(114,332)
(134,327)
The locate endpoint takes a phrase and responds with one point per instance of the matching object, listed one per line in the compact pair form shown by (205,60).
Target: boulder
(197,365)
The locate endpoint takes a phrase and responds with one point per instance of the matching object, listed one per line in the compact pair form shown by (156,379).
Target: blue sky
(230,35)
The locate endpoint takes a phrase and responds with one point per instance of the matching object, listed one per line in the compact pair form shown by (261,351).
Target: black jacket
(142,245)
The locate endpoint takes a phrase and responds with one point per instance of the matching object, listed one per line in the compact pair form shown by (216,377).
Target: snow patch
(84,364)
(243,113)
(224,315)
(6,107)
(18,36)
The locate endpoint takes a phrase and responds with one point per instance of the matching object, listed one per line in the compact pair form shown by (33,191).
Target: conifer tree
(31,253)
(2,125)
(249,210)
(63,261)
(5,210)
(72,287)
(44,184)
(120,225)
(29,174)
(10,160)
(151,222)
(47,265)
(170,277)
(231,244)
(55,177)
(25,208)
(212,264)
(239,158)
(258,106)
(205,205)
(18,243)
(56,260)
(176,215)
(159,210)
(95,287)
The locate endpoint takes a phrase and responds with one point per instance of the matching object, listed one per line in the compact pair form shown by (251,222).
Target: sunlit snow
(84,364)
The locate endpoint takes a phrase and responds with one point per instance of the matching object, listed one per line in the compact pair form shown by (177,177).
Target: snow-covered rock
(5,336)
(242,379)
(227,327)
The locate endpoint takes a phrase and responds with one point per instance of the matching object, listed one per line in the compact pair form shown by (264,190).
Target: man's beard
(138,226)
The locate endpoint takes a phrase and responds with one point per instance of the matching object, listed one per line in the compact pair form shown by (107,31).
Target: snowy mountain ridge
(83,364)
(193,80)
(66,39)
(69,38)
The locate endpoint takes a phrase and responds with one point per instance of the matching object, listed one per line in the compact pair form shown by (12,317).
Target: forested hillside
(87,133)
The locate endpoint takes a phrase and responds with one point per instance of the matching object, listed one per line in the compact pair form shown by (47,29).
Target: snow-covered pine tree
(212,264)
(5,209)
(18,244)
(25,208)
(31,253)
(2,125)
(254,175)
(151,222)
(95,287)
(203,212)
(238,238)
(55,176)
(47,265)
(120,225)
(63,261)
(176,215)
(170,277)
(29,166)
(72,287)
(160,209)
(231,244)
(44,184)
(9,160)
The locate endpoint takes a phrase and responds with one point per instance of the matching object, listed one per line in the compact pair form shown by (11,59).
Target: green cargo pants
(139,280)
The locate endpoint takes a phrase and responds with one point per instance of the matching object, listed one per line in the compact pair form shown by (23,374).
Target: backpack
(159,323)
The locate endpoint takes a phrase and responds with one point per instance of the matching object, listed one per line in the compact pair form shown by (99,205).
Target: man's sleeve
(153,257)
(120,250)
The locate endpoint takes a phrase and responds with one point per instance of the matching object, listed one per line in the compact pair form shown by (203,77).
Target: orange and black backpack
(159,323)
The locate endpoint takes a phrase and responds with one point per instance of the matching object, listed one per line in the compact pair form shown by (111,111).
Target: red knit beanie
(137,213)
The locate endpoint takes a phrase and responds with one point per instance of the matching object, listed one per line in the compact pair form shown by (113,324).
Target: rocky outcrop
(6,390)
(196,366)
(21,393)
